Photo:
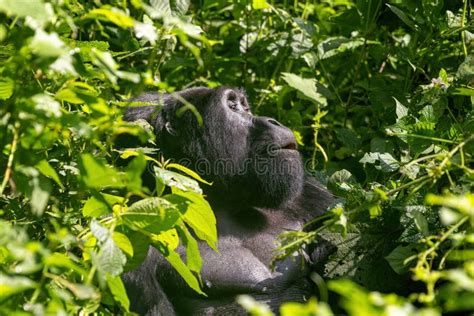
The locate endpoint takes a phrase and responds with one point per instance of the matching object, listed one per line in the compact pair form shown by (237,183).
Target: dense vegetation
(378,93)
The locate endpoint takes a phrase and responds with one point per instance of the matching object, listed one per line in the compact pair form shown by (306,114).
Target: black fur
(259,191)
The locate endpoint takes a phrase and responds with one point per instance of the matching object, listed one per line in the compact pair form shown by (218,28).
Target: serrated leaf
(305,86)
(177,180)
(151,214)
(110,258)
(197,213)
(180,6)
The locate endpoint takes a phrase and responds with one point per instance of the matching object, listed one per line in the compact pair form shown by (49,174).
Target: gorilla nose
(274,122)
(281,135)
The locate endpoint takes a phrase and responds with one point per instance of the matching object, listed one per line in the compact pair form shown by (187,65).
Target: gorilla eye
(232,105)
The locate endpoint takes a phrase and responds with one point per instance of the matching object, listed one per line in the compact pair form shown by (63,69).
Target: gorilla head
(250,159)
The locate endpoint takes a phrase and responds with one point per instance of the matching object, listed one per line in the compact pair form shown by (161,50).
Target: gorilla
(259,191)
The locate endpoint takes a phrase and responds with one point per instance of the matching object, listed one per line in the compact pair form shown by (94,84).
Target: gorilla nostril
(274,122)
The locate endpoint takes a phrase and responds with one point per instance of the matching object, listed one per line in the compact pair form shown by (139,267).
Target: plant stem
(8,171)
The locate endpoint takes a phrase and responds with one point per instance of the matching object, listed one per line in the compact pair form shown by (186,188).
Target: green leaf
(110,258)
(123,243)
(62,260)
(177,180)
(397,258)
(260,4)
(402,16)
(45,168)
(386,162)
(116,17)
(134,172)
(7,86)
(153,214)
(47,45)
(307,87)
(118,291)
(197,213)
(14,285)
(95,174)
(193,257)
(22,8)
(177,263)
(466,69)
(97,206)
(400,109)
(188,172)
(41,190)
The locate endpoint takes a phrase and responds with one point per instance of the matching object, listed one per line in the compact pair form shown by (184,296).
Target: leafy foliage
(378,93)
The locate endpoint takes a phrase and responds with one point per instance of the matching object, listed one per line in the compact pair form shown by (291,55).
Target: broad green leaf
(400,109)
(397,258)
(260,4)
(169,238)
(141,244)
(47,45)
(62,260)
(22,8)
(14,285)
(95,174)
(118,291)
(381,161)
(193,257)
(7,86)
(134,172)
(466,69)
(177,180)
(177,263)
(188,172)
(123,243)
(45,168)
(97,206)
(112,15)
(463,203)
(41,190)
(307,87)
(180,6)
(47,105)
(110,258)
(153,214)
(197,213)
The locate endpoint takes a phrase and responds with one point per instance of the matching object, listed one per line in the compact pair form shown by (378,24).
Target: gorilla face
(252,160)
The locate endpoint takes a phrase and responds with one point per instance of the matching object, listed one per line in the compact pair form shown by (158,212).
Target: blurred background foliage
(378,93)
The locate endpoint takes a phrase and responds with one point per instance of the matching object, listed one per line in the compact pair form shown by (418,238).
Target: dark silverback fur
(259,191)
